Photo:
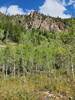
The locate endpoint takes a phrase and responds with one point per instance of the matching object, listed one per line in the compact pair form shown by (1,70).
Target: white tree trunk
(72,71)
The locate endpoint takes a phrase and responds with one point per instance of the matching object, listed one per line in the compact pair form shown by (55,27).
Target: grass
(32,86)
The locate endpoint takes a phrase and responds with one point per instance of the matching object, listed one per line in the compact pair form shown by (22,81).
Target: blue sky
(25,4)
(55,8)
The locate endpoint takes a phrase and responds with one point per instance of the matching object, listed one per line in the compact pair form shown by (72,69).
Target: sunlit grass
(29,87)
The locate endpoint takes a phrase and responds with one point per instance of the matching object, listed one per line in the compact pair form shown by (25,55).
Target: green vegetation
(33,61)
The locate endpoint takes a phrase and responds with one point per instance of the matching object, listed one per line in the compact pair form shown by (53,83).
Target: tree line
(35,50)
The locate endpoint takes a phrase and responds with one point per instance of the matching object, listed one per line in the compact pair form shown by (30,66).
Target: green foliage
(32,52)
(36,50)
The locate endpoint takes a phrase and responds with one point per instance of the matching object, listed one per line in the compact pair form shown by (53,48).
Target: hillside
(13,25)
(37,57)
(37,21)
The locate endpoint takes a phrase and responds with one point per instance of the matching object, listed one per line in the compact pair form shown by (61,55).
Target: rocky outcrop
(45,22)
(38,21)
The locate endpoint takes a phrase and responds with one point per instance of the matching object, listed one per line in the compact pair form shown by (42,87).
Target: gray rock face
(44,23)
(39,21)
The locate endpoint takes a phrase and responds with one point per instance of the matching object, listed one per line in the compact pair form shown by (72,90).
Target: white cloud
(12,10)
(74,5)
(69,2)
(3,9)
(29,11)
(53,8)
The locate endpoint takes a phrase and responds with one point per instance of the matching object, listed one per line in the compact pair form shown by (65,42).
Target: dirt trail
(46,95)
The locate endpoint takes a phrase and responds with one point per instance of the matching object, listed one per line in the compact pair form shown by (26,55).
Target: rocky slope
(39,21)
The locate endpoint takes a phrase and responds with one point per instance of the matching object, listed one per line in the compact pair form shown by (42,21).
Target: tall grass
(32,86)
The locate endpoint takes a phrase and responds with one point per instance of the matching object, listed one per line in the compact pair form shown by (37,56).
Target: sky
(54,8)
